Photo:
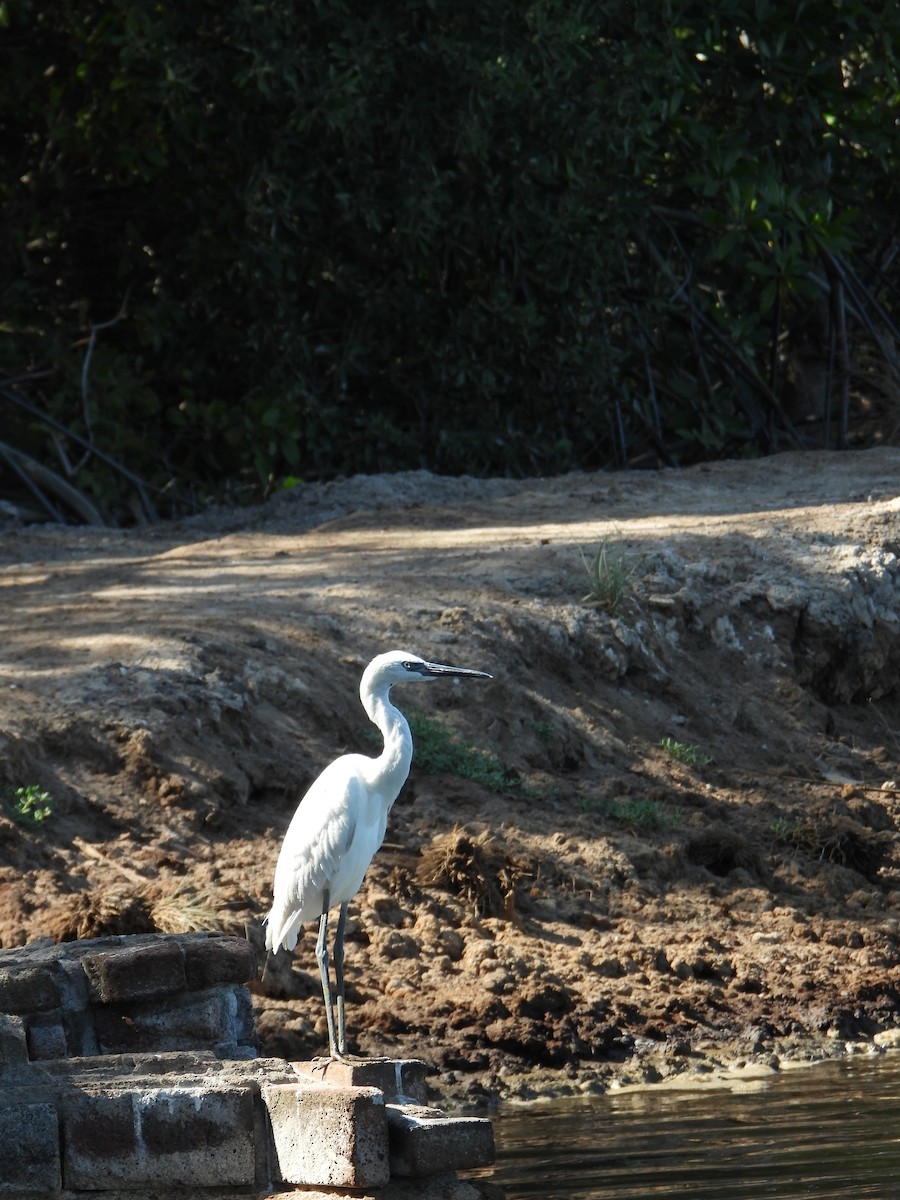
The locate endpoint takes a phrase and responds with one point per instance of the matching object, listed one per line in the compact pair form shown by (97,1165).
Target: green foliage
(638,813)
(30,805)
(783,830)
(302,240)
(440,752)
(609,574)
(684,752)
(544,731)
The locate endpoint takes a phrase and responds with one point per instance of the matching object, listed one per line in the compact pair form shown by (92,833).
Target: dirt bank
(585,907)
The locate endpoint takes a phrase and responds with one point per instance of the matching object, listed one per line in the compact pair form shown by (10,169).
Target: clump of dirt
(685,848)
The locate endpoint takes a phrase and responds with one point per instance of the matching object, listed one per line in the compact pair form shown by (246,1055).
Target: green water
(827,1131)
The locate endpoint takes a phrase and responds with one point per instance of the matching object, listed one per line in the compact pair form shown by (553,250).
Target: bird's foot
(337,1056)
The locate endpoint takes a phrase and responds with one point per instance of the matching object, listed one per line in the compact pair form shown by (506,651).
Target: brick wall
(128,1068)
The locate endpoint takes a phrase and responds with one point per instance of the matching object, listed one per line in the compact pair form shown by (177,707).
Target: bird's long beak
(435,670)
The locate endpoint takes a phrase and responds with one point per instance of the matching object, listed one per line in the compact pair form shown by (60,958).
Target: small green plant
(30,805)
(785,830)
(543,730)
(609,574)
(640,814)
(684,752)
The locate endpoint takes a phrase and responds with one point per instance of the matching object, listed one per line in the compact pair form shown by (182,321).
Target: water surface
(831,1130)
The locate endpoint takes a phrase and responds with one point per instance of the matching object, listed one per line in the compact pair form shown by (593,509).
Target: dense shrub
(247,241)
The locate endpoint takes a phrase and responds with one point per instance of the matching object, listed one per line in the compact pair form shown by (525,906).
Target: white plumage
(340,824)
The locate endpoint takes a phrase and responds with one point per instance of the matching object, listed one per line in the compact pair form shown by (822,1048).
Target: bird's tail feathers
(282,934)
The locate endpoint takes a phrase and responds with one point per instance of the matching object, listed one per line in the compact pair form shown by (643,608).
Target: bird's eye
(410,666)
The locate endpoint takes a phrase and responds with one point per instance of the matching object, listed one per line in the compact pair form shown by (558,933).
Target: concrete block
(46,1038)
(399,1079)
(215,960)
(325,1136)
(29,1151)
(27,989)
(159,1136)
(425,1141)
(137,972)
(13,1045)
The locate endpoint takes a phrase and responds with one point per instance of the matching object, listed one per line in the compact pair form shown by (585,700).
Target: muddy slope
(566,902)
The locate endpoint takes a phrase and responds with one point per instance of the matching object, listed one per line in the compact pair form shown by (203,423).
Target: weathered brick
(214,960)
(173,1023)
(399,1079)
(27,989)
(326,1136)
(98,1135)
(141,972)
(46,1037)
(425,1141)
(175,1136)
(13,1046)
(29,1151)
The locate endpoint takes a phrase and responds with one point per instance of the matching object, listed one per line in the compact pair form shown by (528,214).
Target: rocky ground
(563,902)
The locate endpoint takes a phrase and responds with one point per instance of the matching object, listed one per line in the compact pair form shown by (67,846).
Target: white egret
(339,825)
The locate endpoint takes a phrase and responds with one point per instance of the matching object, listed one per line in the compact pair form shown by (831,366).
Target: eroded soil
(589,909)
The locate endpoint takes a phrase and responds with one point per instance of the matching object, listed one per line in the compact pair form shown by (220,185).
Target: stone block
(425,1141)
(399,1079)
(190,1137)
(137,972)
(174,1023)
(13,1044)
(325,1136)
(243,1019)
(215,960)
(29,1151)
(46,1038)
(27,989)
(437,1187)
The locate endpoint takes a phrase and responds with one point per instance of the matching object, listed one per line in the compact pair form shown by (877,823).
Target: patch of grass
(441,752)
(609,572)
(29,805)
(684,752)
(643,814)
(783,830)
(640,814)
(544,731)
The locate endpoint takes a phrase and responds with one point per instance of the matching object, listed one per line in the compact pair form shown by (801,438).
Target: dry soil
(562,902)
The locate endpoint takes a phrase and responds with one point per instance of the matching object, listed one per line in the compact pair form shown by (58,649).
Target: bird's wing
(317,841)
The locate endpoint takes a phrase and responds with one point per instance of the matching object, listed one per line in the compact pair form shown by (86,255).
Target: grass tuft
(187,910)
(609,573)
(684,752)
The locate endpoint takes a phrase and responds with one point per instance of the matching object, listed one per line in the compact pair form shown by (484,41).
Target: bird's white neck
(393,764)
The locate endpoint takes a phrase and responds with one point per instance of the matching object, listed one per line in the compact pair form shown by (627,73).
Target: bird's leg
(339,979)
(322,960)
